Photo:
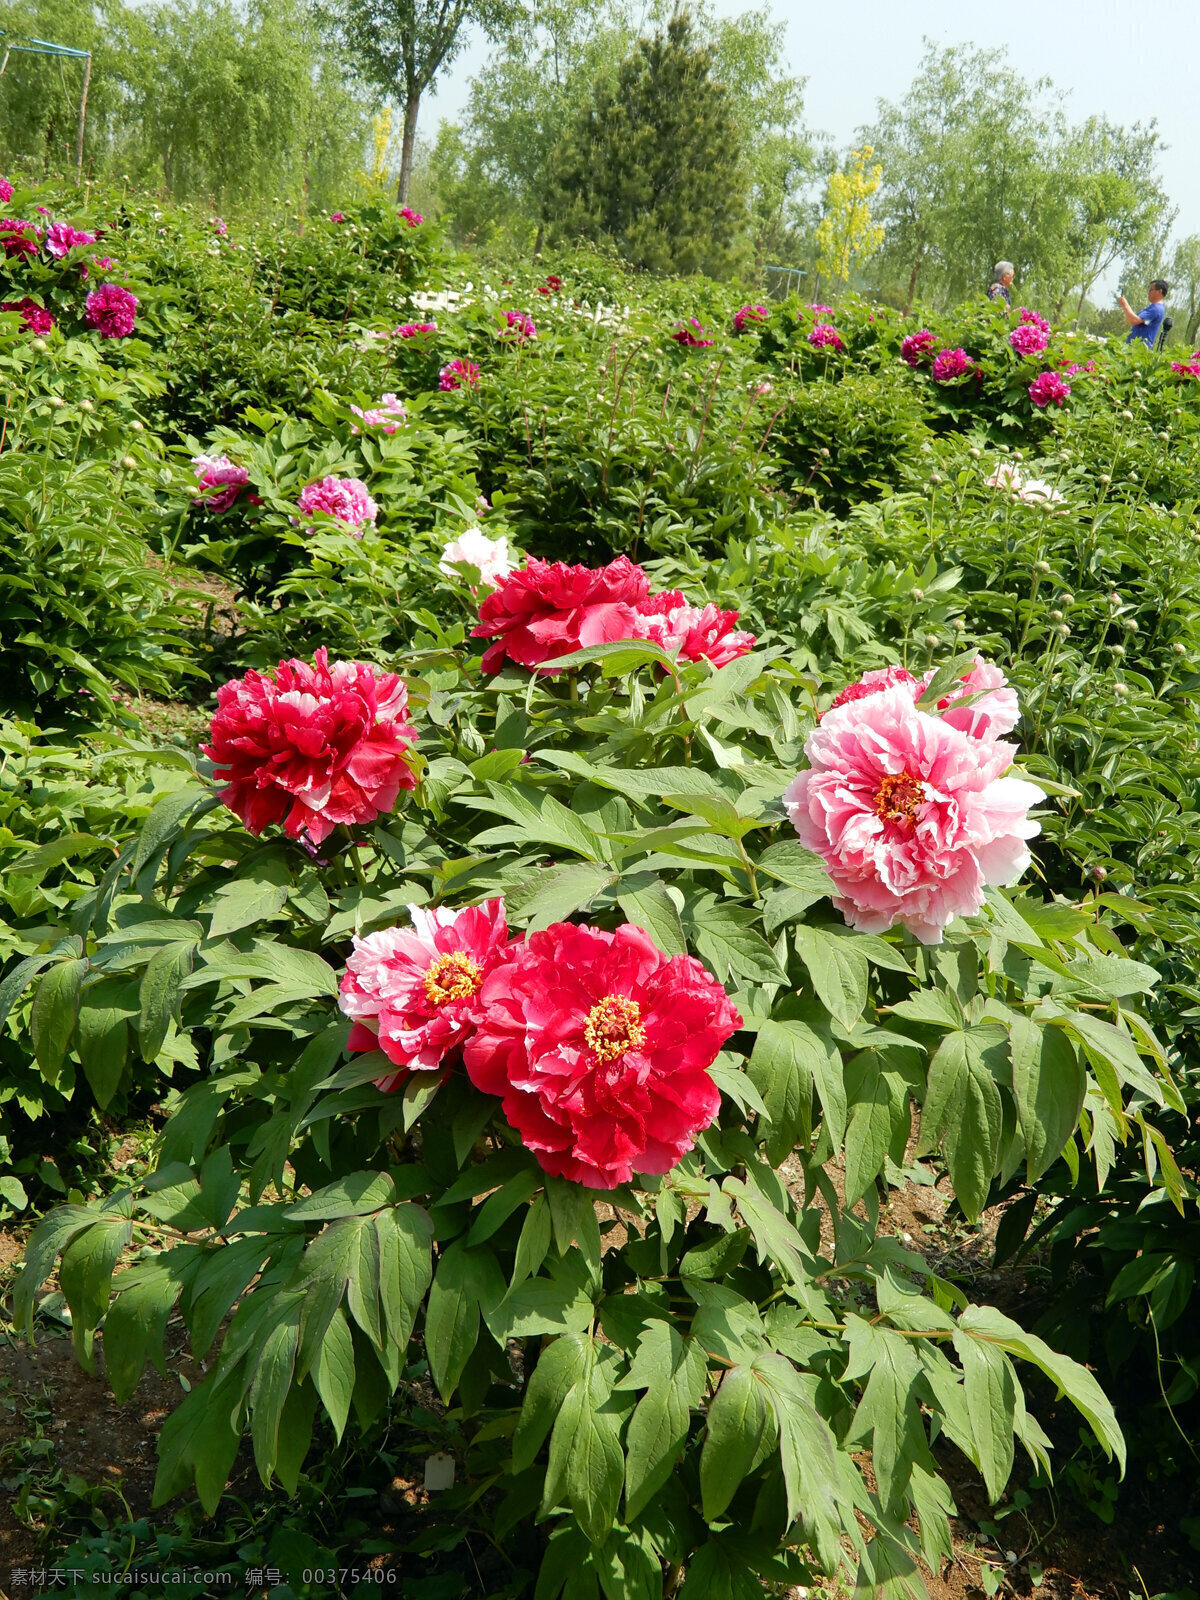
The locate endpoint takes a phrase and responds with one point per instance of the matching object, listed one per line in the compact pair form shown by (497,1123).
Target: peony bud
(918,594)
(1120,690)
(1098,873)
(935,477)
(137,427)
(128,463)
(1056,616)
(1130,625)
(974,453)
(1104,478)
(1063,631)
(1179,649)
(40,344)
(1041,566)
(1117,650)
(932,640)
(1127,416)
(959,625)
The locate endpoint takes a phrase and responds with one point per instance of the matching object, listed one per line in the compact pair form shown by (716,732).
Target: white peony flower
(489,556)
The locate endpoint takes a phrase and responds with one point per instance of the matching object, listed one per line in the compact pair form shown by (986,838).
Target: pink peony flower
(598,1046)
(488,556)
(821,311)
(911,815)
(62,238)
(1048,389)
(410,330)
(1190,369)
(413,218)
(949,365)
(1028,340)
(695,632)
(826,337)
(414,993)
(1032,319)
(547,609)
(388,414)
(337,216)
(111,310)
(519,326)
(221,480)
(18,237)
(874,682)
(459,375)
(692,334)
(218,226)
(344,498)
(36,318)
(1006,476)
(749,316)
(312,746)
(6,191)
(916,347)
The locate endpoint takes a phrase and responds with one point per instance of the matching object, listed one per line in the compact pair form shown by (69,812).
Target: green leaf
(646,903)
(159,993)
(789,862)
(405,1235)
(733,1430)
(1049,1084)
(888,1417)
(672,1370)
(838,972)
(725,936)
(333,1371)
(628,1566)
(271,1384)
(85,1274)
(586,1468)
(991,1391)
(55,1008)
(562,891)
(20,975)
(464,1281)
(963,1111)
(560,1365)
(356,1195)
(164,817)
(199,1441)
(103,1039)
(136,1322)
(873,1093)
(780,1069)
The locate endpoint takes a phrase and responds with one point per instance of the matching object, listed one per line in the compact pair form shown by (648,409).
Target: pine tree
(654,163)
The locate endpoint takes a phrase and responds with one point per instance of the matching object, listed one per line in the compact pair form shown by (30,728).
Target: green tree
(847,233)
(966,176)
(1184,278)
(400,46)
(1114,199)
(654,161)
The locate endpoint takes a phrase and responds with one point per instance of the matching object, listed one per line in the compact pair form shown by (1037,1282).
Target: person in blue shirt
(1145,324)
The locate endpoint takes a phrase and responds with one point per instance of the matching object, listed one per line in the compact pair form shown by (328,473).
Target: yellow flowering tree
(847,233)
(378,176)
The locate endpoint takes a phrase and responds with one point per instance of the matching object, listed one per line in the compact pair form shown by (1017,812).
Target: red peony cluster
(548,609)
(36,318)
(749,316)
(552,284)
(692,334)
(18,237)
(312,746)
(597,1044)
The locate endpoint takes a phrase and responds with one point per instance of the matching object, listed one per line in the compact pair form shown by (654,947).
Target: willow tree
(400,46)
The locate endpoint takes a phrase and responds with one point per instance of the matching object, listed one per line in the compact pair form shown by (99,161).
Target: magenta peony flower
(414,993)
(692,334)
(218,226)
(410,330)
(388,414)
(18,237)
(916,347)
(36,318)
(1189,369)
(62,238)
(413,218)
(950,365)
(874,682)
(749,316)
(337,216)
(312,746)
(519,327)
(221,481)
(598,1046)
(547,609)
(695,632)
(1032,319)
(346,499)
(911,815)
(459,375)
(821,311)
(111,310)
(826,337)
(1048,389)
(6,191)
(1027,340)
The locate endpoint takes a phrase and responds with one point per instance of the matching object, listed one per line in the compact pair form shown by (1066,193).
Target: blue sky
(1130,61)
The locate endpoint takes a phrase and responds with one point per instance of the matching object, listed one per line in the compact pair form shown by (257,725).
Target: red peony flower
(598,1046)
(414,992)
(111,310)
(36,318)
(19,238)
(312,746)
(548,609)
(696,632)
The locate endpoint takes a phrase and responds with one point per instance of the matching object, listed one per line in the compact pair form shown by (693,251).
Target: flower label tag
(439,1472)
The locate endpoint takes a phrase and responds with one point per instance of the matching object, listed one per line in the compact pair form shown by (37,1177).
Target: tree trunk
(411,106)
(912,284)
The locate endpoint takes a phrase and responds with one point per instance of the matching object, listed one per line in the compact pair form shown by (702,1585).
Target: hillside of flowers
(546,799)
